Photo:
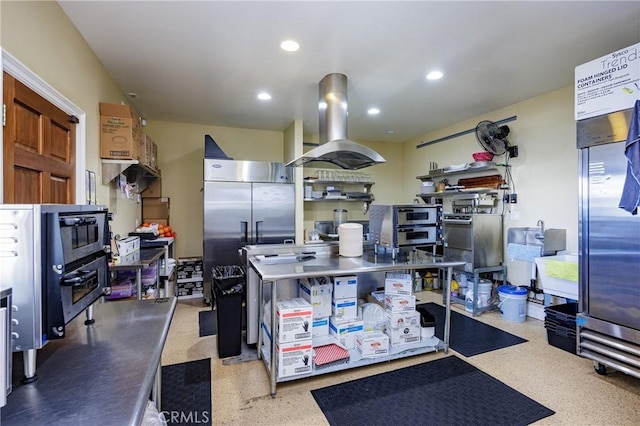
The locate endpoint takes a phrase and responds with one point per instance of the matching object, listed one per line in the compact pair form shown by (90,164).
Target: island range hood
(334,146)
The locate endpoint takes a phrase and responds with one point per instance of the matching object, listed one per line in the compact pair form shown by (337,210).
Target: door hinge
(4,115)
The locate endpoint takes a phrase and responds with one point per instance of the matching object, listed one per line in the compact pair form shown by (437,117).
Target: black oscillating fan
(492,137)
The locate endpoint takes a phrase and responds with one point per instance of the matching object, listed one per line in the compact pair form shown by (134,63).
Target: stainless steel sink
(551,240)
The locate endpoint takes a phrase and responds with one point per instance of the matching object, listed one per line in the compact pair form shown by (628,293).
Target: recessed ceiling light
(434,75)
(373,111)
(264,96)
(132,95)
(390,132)
(289,46)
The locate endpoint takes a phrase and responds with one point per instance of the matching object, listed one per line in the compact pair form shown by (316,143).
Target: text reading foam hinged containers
(560,322)
(513,303)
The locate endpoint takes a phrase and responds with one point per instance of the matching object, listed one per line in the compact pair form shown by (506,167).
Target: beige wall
(545,171)
(41,37)
(180,158)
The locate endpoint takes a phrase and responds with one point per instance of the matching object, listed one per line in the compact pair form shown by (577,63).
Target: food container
(482,156)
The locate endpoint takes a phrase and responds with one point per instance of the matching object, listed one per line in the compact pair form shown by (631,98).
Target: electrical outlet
(513,151)
(505,198)
(514,198)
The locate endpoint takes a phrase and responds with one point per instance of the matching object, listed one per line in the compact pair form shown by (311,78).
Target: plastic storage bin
(560,322)
(228,286)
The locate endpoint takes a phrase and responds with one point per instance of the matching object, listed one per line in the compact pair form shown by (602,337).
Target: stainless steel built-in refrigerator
(245,203)
(608,321)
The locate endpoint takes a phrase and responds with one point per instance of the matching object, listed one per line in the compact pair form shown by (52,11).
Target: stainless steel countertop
(332,264)
(100,374)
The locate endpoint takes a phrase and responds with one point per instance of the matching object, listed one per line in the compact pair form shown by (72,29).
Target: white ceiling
(205,61)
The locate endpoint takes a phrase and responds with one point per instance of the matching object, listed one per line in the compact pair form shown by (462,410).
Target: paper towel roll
(350,239)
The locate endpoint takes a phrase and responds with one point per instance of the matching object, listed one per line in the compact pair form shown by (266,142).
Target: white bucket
(513,303)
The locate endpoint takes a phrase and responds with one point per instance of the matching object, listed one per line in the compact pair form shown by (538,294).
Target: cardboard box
(320,327)
(397,283)
(403,336)
(127,245)
(155,209)
(402,319)
(149,152)
(345,331)
(343,309)
(318,295)
(344,287)
(294,358)
(371,345)
(399,303)
(121,135)
(154,190)
(295,320)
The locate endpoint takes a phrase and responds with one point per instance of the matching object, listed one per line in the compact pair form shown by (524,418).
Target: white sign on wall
(608,84)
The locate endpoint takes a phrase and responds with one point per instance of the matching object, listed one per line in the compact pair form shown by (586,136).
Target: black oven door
(73,291)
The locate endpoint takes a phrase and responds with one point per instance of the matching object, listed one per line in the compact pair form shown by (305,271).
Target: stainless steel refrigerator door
(273,213)
(610,239)
(227,225)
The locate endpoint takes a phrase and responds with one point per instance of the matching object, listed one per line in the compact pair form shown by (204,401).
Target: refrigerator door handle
(244,230)
(258,231)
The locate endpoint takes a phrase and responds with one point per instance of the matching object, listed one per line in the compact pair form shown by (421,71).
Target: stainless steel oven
(55,258)
(473,238)
(397,226)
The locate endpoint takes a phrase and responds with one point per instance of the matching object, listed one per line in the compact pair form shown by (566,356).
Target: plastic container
(561,337)
(513,303)
(484,293)
(468,301)
(564,314)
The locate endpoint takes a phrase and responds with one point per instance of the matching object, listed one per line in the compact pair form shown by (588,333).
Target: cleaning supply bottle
(468,301)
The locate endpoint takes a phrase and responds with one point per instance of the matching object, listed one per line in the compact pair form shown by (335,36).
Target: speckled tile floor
(565,383)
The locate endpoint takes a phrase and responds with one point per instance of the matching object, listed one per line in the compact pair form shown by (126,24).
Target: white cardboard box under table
(294,317)
(398,283)
(344,287)
(399,303)
(372,345)
(345,331)
(318,295)
(344,309)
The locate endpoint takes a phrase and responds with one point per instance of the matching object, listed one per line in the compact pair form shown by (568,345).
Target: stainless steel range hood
(334,146)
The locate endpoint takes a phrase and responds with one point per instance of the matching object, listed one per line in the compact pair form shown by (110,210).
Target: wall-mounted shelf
(141,174)
(470,171)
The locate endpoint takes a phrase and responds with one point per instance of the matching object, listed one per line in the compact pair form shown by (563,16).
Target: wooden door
(39,148)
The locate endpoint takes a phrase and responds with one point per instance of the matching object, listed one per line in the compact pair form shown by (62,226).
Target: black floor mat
(207,323)
(447,391)
(186,393)
(468,336)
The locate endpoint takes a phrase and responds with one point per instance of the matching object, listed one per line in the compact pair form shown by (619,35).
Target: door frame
(21,72)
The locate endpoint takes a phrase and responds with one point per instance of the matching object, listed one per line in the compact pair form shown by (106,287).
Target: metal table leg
(447,310)
(272,367)
(139,283)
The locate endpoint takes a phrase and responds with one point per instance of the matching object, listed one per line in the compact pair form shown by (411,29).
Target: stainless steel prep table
(331,264)
(101,374)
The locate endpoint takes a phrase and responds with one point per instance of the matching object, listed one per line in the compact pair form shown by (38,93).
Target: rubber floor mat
(186,393)
(447,391)
(468,336)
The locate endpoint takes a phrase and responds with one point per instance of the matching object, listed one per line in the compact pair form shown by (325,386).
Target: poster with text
(608,84)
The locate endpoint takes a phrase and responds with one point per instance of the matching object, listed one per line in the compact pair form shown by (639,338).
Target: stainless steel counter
(326,262)
(102,374)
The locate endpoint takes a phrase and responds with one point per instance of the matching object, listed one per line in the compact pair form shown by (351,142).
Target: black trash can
(228,287)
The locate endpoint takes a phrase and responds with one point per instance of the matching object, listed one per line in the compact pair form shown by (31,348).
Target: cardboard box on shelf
(319,295)
(295,320)
(371,345)
(345,331)
(294,358)
(121,135)
(398,283)
(402,336)
(343,309)
(149,152)
(320,327)
(399,303)
(344,287)
(154,209)
(154,190)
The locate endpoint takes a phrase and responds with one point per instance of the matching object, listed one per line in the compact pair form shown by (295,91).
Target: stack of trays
(560,322)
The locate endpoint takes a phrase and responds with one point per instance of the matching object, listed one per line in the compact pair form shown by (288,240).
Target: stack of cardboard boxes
(344,323)
(292,336)
(189,280)
(402,319)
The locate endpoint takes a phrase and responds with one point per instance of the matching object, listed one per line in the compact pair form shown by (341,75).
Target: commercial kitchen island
(309,262)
